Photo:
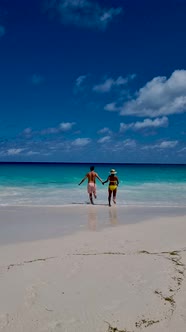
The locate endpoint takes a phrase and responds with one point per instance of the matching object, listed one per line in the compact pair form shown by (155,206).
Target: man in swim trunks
(91,187)
(113,185)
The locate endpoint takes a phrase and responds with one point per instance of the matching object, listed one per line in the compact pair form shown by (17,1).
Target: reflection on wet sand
(92,218)
(113,218)
(110,218)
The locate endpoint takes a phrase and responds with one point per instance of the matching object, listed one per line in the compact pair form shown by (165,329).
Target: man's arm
(99,178)
(83,179)
(117,181)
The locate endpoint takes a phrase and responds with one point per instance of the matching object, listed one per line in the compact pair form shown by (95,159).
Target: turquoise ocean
(57,184)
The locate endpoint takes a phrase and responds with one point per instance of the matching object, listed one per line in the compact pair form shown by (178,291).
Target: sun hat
(112,171)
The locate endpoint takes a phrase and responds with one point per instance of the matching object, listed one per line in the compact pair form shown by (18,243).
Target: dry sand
(103,269)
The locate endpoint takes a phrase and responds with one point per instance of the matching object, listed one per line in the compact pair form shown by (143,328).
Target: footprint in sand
(56,326)
(4,320)
(31,296)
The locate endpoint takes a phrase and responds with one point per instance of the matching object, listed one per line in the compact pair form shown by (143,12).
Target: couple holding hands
(91,188)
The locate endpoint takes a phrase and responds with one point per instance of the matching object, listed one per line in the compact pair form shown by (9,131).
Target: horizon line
(88,163)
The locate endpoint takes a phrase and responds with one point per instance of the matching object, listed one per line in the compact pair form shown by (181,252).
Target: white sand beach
(92,269)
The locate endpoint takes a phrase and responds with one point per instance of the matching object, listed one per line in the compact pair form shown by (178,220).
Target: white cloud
(182,150)
(80,83)
(167,144)
(27,132)
(2,31)
(81,141)
(66,126)
(159,97)
(37,79)
(80,80)
(85,13)
(162,145)
(32,153)
(46,131)
(125,126)
(111,107)
(123,145)
(104,130)
(131,143)
(104,139)
(146,123)
(13,152)
(156,123)
(63,127)
(110,83)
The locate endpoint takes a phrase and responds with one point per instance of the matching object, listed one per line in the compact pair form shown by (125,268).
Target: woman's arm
(106,180)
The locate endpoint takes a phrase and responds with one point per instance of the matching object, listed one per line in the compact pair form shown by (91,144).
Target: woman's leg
(114,195)
(109,196)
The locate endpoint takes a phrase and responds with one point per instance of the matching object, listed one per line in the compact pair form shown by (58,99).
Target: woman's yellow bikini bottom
(112,187)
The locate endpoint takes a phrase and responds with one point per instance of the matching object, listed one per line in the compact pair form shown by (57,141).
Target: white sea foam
(154,194)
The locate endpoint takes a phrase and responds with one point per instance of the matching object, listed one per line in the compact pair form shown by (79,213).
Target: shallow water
(57,184)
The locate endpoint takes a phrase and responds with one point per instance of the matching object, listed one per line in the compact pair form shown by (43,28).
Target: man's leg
(89,189)
(91,199)
(94,192)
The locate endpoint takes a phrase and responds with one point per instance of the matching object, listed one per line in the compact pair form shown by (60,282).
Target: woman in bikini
(113,185)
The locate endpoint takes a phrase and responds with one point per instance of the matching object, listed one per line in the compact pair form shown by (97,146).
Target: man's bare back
(91,177)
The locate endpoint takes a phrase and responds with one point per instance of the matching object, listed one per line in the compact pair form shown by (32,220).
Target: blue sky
(93,81)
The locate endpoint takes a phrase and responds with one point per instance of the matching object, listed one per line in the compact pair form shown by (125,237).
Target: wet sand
(92,268)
